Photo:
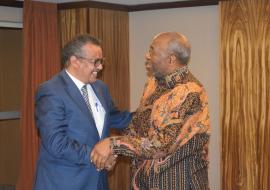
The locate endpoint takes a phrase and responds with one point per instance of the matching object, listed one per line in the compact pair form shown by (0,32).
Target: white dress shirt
(97,108)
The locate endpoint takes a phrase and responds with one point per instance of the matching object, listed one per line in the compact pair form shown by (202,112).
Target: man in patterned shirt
(169,133)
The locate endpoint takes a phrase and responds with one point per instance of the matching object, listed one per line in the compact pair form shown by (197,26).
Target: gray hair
(74,47)
(180,47)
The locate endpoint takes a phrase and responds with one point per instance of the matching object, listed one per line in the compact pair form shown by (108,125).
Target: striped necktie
(86,98)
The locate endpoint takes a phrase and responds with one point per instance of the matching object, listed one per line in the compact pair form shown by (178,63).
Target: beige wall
(200,25)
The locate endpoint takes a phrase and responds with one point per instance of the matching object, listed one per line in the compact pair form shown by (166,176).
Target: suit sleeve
(118,119)
(52,124)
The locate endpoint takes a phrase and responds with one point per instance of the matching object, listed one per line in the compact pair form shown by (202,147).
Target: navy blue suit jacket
(68,134)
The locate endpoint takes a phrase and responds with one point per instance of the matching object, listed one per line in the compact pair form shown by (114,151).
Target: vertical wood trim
(245,31)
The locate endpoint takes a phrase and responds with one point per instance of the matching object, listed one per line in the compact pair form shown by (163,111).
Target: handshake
(102,155)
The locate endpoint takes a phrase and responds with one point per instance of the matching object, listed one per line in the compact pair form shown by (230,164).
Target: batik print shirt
(173,111)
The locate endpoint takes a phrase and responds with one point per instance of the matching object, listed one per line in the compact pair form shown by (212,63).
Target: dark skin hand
(102,156)
(109,165)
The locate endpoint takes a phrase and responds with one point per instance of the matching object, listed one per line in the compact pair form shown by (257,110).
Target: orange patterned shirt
(169,130)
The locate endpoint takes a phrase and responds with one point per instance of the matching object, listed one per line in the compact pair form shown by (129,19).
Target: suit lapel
(76,96)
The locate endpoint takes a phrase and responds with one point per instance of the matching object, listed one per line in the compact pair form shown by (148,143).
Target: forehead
(159,43)
(92,50)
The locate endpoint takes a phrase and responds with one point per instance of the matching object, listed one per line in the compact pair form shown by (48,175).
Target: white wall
(10,17)
(201,26)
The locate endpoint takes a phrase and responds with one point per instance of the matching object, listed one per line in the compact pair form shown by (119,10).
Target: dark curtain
(41,51)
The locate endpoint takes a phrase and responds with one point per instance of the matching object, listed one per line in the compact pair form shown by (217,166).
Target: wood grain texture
(111,26)
(245,75)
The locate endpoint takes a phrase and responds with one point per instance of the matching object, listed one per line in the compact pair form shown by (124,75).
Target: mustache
(147,63)
(97,70)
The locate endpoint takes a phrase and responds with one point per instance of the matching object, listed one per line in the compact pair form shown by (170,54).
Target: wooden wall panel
(111,26)
(10,68)
(245,75)
(9,151)
(264,119)
(10,79)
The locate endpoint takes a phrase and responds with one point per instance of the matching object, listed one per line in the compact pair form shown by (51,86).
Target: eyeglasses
(96,62)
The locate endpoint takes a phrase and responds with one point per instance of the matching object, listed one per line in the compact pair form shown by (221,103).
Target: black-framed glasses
(96,62)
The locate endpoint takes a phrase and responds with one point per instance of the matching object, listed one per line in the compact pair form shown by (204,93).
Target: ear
(74,62)
(172,59)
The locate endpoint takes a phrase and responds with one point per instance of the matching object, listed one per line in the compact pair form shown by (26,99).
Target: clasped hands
(102,156)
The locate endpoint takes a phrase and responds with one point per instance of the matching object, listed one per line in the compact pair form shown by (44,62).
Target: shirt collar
(178,76)
(77,82)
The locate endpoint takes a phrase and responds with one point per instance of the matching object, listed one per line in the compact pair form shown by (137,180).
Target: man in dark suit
(74,111)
